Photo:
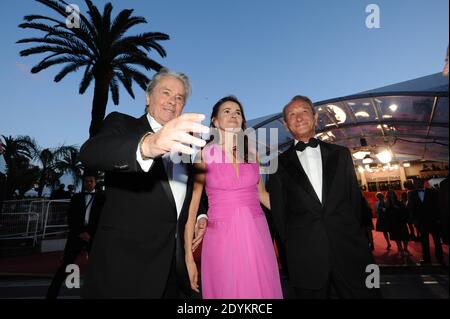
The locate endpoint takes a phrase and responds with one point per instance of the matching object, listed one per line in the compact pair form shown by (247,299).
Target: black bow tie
(300,146)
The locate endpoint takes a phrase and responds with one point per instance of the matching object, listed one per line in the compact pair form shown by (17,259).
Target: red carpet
(47,263)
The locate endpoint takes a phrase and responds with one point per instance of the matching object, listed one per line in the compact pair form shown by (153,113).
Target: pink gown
(238,258)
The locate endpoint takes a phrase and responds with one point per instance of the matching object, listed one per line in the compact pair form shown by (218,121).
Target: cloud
(26,70)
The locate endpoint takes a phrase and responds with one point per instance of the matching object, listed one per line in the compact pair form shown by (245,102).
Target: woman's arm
(263,194)
(264,197)
(199,181)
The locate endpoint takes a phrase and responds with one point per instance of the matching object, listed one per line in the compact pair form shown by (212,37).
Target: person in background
(382,224)
(83,215)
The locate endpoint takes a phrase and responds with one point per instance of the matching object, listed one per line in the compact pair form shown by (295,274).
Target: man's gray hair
(299,98)
(166,72)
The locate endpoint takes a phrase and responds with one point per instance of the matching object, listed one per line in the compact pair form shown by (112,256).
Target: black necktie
(300,146)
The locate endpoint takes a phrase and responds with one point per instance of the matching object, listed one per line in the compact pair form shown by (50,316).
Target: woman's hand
(193,275)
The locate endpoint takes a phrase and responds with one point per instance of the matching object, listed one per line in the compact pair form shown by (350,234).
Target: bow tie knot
(301,146)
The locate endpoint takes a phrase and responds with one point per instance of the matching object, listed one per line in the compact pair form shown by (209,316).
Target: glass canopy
(409,118)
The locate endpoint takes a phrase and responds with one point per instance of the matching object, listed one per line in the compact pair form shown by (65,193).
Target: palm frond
(139,77)
(145,62)
(145,40)
(71,67)
(126,82)
(32,17)
(114,87)
(43,65)
(95,16)
(87,79)
(106,18)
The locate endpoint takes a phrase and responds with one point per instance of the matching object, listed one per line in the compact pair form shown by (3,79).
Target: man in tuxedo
(139,249)
(82,217)
(424,206)
(315,201)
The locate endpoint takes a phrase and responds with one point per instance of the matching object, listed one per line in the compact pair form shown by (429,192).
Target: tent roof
(410,117)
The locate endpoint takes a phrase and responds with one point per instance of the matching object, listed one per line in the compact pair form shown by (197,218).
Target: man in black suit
(82,217)
(139,250)
(315,201)
(424,206)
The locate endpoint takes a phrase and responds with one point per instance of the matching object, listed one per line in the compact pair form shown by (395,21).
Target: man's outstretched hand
(175,136)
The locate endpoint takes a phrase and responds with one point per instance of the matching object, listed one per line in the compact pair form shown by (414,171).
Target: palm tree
(14,147)
(20,175)
(99,46)
(49,162)
(70,164)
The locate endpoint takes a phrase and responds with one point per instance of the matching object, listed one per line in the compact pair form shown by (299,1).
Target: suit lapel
(143,120)
(159,166)
(296,170)
(189,188)
(164,180)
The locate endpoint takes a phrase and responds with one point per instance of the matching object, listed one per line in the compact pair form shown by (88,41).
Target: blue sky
(262,51)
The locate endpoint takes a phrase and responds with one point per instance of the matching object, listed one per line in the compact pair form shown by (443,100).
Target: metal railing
(37,219)
(19,226)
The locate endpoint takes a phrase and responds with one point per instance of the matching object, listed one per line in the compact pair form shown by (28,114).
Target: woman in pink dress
(238,258)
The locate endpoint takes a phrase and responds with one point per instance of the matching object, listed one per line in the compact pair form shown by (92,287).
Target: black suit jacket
(77,212)
(318,236)
(139,232)
(426,213)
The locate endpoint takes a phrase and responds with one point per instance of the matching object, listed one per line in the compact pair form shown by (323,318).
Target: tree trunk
(99,103)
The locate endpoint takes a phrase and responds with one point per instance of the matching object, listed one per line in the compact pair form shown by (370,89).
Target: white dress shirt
(176,172)
(88,200)
(311,160)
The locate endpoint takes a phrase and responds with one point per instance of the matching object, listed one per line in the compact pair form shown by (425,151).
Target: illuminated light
(362,114)
(378,100)
(360,154)
(366,103)
(406,165)
(395,166)
(393,107)
(379,126)
(330,124)
(384,156)
(339,114)
(351,103)
(367,159)
(387,116)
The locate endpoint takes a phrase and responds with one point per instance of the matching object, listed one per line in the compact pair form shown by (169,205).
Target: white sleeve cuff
(201,216)
(145,164)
